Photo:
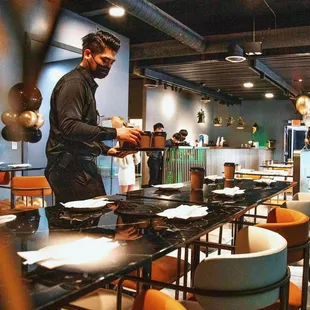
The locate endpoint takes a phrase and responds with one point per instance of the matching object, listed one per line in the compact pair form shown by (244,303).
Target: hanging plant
(201,116)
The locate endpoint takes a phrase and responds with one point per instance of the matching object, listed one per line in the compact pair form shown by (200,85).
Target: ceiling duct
(159,19)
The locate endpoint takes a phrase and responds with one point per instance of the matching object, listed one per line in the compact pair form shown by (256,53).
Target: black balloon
(21,100)
(32,135)
(12,133)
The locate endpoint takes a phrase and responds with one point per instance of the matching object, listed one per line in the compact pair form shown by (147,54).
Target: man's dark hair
(177,136)
(183,132)
(98,41)
(158,125)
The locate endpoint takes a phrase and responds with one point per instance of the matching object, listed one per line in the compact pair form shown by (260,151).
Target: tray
(138,149)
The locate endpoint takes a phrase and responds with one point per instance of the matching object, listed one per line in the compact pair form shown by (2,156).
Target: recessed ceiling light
(248,85)
(235,59)
(116,11)
(269,95)
(300,80)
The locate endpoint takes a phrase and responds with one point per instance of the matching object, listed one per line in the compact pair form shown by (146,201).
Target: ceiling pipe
(159,19)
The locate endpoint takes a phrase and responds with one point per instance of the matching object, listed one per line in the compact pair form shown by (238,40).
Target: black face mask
(101,71)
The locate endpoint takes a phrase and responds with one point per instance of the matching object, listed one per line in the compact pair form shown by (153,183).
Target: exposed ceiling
(222,21)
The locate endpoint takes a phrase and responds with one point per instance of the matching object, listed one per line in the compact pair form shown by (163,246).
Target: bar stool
(293,226)
(5,178)
(30,186)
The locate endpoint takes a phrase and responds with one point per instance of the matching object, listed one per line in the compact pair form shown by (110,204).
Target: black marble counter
(132,221)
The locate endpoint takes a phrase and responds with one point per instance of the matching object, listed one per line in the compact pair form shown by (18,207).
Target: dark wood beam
(186,85)
(266,73)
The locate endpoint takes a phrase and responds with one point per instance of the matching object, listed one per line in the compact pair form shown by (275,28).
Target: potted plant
(201,116)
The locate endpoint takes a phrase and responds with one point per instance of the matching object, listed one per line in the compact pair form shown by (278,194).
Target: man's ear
(87,53)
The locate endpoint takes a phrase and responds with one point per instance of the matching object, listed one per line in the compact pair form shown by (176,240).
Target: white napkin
(213,177)
(230,192)
(7,218)
(170,186)
(265,181)
(88,203)
(246,171)
(19,165)
(185,212)
(81,251)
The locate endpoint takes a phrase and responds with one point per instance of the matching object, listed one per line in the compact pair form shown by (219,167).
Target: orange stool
(5,178)
(30,186)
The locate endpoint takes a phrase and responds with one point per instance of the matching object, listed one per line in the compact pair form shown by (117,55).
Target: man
(75,139)
(155,161)
(184,134)
(175,140)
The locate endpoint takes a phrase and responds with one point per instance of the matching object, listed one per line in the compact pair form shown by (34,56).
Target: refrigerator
(294,139)
(304,183)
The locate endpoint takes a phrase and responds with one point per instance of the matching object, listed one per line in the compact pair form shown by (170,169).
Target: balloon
(32,135)
(303,105)
(40,121)
(306,119)
(12,133)
(4,133)
(9,117)
(20,100)
(28,119)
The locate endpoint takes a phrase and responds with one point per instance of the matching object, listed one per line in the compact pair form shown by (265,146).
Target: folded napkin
(246,171)
(85,250)
(19,165)
(185,212)
(88,203)
(265,181)
(230,192)
(173,185)
(7,218)
(213,177)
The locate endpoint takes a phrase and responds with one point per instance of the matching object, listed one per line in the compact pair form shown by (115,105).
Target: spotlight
(269,95)
(165,85)
(248,85)
(172,87)
(180,89)
(235,54)
(116,11)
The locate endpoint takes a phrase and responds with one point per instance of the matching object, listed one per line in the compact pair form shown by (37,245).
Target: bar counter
(158,236)
(177,161)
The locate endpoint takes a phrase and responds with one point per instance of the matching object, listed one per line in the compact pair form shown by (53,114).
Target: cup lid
(146,133)
(160,133)
(230,164)
(197,169)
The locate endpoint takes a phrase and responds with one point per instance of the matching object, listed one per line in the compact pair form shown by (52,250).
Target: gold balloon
(9,117)
(28,119)
(303,105)
(40,121)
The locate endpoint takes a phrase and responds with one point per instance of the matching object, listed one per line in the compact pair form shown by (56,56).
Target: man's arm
(70,101)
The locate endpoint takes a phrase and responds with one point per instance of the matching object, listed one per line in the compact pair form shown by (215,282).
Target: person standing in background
(126,172)
(174,141)
(155,160)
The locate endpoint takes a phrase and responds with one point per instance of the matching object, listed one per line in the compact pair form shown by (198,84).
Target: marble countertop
(151,236)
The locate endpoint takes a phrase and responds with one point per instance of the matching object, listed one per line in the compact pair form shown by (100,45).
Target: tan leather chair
(259,262)
(31,186)
(293,226)
(302,196)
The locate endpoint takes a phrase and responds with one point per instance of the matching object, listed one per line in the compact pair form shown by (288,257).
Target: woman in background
(126,171)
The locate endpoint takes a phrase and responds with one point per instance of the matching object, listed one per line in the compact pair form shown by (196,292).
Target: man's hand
(131,135)
(116,153)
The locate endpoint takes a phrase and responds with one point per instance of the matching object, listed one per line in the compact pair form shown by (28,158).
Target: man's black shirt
(73,118)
